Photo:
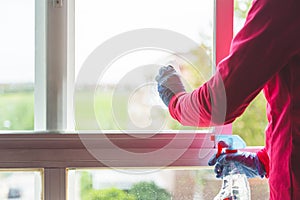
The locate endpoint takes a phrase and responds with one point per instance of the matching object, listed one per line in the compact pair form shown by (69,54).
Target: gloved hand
(248,162)
(169,83)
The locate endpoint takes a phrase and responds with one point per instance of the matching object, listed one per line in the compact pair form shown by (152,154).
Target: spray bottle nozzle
(221,145)
(231,143)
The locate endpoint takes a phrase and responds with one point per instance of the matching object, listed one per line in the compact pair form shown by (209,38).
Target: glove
(169,83)
(246,161)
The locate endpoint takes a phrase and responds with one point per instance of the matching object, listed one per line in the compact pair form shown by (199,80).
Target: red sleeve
(259,51)
(264,159)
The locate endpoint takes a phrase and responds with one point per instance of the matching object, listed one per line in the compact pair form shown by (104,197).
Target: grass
(17,111)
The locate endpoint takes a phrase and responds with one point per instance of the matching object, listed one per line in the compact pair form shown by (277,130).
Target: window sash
(57,150)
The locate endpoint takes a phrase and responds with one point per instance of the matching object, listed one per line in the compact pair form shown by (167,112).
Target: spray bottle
(235,184)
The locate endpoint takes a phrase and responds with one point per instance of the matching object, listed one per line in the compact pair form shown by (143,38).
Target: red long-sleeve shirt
(265,54)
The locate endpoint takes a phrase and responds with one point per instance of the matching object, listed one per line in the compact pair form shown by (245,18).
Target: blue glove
(169,83)
(246,161)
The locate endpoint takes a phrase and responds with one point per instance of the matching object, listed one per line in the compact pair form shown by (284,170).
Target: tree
(110,194)
(86,185)
(149,191)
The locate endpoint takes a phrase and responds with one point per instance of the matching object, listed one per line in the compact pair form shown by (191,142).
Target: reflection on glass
(124,96)
(20,185)
(142,184)
(16,64)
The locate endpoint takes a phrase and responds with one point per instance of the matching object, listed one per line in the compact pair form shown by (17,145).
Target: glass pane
(17,185)
(241,8)
(16,64)
(120,45)
(176,183)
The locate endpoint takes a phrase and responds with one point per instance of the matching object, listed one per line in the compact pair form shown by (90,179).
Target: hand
(169,83)
(248,162)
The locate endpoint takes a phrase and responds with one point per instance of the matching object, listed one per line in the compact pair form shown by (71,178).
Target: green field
(16,111)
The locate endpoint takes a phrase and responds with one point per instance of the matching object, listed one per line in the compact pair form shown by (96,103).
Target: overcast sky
(16,41)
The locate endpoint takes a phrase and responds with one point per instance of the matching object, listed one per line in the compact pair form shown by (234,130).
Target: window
(17,75)
(147,35)
(18,184)
(66,158)
(180,183)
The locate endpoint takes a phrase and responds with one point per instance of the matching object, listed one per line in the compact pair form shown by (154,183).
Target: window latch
(57,3)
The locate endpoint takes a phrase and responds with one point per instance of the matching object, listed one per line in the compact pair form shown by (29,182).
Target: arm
(258,52)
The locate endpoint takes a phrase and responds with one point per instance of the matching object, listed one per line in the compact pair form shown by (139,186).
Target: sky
(16,41)
(189,18)
(95,22)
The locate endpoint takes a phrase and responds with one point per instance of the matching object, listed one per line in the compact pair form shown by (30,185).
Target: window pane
(176,183)
(241,8)
(25,185)
(147,35)
(16,64)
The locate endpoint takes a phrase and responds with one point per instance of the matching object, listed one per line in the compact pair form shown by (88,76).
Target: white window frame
(46,147)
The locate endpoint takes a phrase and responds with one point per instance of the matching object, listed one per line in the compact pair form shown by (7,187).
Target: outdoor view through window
(17,19)
(137,40)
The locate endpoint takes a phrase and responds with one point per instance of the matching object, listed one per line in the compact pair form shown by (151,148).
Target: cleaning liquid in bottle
(235,185)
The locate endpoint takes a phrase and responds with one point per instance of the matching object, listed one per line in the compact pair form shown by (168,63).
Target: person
(264,55)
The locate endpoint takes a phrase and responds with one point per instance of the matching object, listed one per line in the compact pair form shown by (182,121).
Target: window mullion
(54,67)
(223,28)
(56,64)
(54,79)
(223,33)
(55,183)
